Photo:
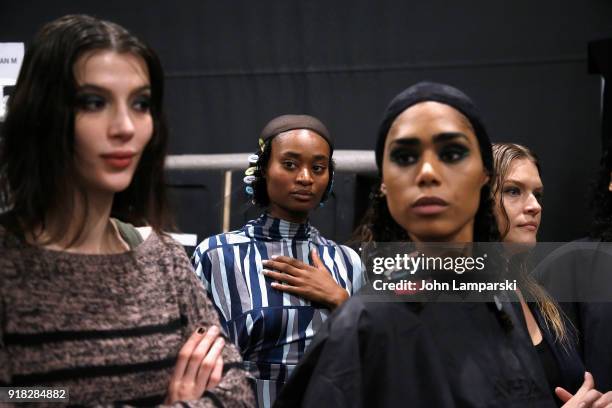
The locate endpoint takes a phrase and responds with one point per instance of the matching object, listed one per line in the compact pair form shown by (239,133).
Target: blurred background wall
(233,65)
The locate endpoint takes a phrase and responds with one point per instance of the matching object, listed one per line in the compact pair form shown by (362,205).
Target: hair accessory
(249,174)
(441,93)
(262,144)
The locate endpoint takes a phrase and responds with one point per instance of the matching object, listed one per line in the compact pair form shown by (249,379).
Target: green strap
(129,233)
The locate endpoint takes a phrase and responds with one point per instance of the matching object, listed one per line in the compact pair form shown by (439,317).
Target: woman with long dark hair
(435,162)
(275,280)
(87,301)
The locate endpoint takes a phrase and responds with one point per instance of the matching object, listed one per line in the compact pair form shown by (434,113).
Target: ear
(485,178)
(610,185)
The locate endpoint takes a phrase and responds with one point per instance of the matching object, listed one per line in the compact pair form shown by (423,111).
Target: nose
(428,172)
(304,176)
(532,206)
(121,123)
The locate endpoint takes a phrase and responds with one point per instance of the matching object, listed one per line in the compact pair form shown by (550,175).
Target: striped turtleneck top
(272,329)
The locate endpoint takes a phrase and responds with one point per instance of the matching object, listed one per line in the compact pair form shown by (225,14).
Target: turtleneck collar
(270,228)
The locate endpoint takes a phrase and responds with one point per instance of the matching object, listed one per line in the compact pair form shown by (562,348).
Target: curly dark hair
(260,192)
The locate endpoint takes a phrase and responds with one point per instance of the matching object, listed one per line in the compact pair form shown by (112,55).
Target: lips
(118,160)
(302,195)
(529,226)
(429,205)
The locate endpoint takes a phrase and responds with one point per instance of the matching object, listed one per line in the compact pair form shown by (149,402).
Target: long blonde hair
(504,154)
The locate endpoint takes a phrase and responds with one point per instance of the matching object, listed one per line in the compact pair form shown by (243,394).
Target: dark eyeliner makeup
(89,102)
(453,152)
(404,156)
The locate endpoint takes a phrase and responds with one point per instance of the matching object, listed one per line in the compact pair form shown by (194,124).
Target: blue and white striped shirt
(272,329)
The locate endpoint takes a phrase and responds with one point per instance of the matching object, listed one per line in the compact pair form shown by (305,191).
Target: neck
(463,235)
(296,217)
(89,228)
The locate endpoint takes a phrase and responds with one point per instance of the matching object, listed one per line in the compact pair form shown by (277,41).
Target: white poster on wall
(11,57)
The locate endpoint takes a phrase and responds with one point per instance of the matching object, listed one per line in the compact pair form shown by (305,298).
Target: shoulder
(375,317)
(160,247)
(319,239)
(12,253)
(223,240)
(8,239)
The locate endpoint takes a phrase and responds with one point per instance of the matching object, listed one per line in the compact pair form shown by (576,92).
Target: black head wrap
(446,94)
(255,180)
(285,123)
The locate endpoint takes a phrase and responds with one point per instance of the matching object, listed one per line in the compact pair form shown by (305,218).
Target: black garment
(549,364)
(390,354)
(441,93)
(579,277)
(594,323)
(561,362)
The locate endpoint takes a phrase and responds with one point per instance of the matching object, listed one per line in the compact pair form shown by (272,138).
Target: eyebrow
(437,139)
(518,183)
(299,155)
(97,88)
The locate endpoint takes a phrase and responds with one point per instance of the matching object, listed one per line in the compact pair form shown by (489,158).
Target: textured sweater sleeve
(4,363)
(5,269)
(234,389)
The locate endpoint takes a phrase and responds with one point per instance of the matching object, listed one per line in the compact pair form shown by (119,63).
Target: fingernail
(265,262)
(265,271)
(214,329)
(582,404)
(274,257)
(201,330)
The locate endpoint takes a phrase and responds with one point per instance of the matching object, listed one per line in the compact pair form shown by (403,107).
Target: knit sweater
(107,327)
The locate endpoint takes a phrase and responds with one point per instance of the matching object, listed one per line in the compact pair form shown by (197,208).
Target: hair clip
(253,159)
(250,171)
(249,190)
(249,179)
(262,144)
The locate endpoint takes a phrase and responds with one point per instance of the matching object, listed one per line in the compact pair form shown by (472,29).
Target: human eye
(318,168)
(142,103)
(453,153)
(404,157)
(90,102)
(512,191)
(289,165)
